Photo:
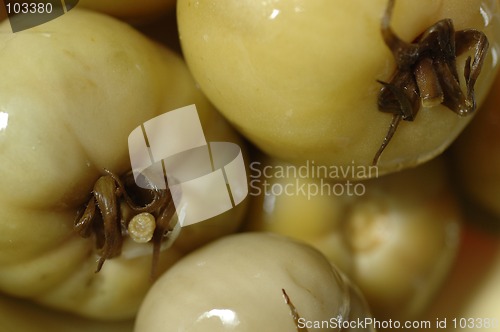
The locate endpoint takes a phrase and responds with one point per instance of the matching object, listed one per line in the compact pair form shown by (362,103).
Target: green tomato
(239,283)
(396,237)
(299,78)
(72,91)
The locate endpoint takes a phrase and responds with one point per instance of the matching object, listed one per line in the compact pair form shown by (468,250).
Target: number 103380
(475,323)
(28,7)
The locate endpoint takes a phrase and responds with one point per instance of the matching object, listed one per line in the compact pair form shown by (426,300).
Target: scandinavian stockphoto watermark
(205,178)
(368,323)
(309,180)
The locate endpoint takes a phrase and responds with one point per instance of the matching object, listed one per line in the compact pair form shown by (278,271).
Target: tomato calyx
(123,210)
(426,73)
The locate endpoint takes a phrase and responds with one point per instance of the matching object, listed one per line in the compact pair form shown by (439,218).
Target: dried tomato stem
(120,215)
(428,83)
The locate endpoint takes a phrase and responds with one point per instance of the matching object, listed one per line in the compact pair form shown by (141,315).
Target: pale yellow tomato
(299,78)
(239,283)
(395,237)
(72,90)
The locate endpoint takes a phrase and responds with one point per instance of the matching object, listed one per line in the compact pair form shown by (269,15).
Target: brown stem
(396,119)
(294,312)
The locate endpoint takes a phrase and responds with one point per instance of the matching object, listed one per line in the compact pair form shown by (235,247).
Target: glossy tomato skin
(299,78)
(227,292)
(72,91)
